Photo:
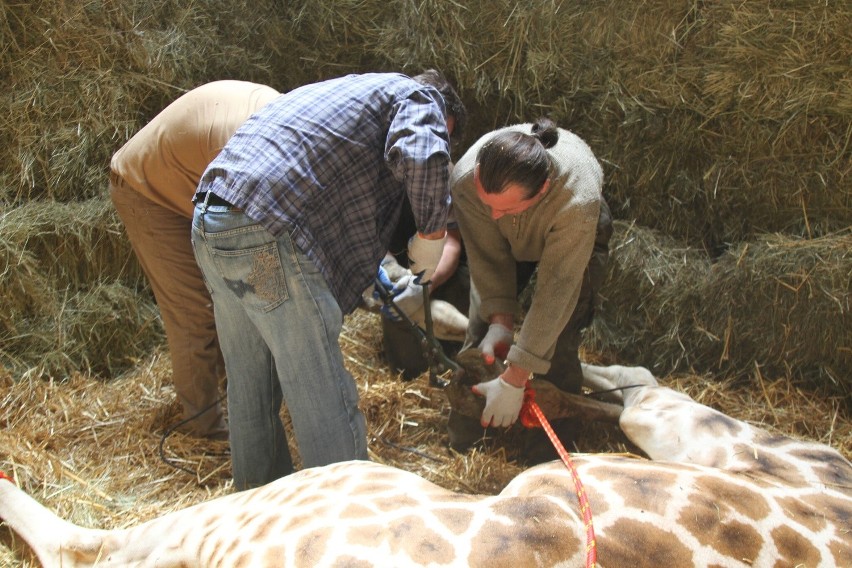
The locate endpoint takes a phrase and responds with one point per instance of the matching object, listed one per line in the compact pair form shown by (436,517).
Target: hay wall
(717,123)
(776,305)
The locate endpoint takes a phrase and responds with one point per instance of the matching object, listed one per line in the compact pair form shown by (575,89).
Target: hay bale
(86,76)
(779,304)
(76,243)
(104,329)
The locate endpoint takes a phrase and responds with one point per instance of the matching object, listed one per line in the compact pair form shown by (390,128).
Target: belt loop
(202,202)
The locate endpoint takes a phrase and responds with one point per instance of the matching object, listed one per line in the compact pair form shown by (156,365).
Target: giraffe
(716,492)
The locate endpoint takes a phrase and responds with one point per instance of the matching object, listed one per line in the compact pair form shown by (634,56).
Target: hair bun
(546,131)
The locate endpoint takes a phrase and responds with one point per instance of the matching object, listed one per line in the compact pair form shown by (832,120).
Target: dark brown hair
(515,157)
(452,101)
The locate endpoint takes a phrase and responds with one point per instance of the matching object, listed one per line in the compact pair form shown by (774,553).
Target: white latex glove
(502,402)
(496,342)
(407,295)
(424,255)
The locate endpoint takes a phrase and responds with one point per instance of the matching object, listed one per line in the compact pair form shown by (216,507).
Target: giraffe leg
(669,425)
(599,378)
(54,541)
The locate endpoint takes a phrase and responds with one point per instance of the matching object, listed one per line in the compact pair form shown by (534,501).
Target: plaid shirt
(330,164)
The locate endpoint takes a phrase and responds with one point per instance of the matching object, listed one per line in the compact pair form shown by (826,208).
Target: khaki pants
(161,241)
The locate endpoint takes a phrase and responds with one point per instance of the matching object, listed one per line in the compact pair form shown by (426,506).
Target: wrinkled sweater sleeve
(568,247)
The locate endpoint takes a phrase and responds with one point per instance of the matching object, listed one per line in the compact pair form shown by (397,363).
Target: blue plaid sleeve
(418,154)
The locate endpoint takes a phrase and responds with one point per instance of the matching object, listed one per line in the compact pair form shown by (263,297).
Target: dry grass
(778,303)
(88,449)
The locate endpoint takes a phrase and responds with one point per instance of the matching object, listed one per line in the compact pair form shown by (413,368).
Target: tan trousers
(161,241)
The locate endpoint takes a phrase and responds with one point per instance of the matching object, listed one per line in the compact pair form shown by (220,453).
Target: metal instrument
(438,361)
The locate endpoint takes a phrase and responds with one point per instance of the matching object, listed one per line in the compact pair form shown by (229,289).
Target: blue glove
(383,277)
(371,296)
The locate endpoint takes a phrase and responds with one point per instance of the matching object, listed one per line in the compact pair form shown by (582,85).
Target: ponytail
(546,131)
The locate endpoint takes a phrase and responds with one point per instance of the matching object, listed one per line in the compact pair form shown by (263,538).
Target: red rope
(532,417)
(4,476)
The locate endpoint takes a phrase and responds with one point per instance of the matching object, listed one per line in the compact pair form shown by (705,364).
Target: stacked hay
(716,121)
(82,78)
(776,305)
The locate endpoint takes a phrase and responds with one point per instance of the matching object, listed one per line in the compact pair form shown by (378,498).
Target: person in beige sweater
(152,181)
(529,199)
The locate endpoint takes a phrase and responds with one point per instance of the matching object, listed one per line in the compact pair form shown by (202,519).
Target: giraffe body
(717,492)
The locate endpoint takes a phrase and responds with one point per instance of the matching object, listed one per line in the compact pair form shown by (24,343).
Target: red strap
(532,417)
(4,476)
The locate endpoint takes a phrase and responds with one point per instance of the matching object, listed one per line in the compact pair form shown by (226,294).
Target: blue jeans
(278,326)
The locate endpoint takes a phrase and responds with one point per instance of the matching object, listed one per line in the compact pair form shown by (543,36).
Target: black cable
(177,425)
(596,393)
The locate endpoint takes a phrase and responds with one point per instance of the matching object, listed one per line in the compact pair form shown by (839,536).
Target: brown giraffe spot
(644,490)
(412,535)
(243,560)
(349,562)
(263,529)
(274,556)
(397,502)
(311,548)
(456,520)
(842,551)
(827,464)
(719,494)
(409,535)
(807,514)
(717,423)
(535,535)
(708,519)
(794,548)
(300,520)
(231,548)
(774,466)
(652,545)
(715,457)
(523,545)
(356,511)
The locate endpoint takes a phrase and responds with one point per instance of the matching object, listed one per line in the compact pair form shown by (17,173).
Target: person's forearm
(506,320)
(449,262)
(516,376)
(433,236)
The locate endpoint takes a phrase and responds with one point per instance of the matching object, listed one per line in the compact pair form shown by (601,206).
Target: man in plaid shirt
(291,221)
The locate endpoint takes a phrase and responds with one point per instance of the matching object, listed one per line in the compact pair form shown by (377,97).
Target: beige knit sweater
(558,232)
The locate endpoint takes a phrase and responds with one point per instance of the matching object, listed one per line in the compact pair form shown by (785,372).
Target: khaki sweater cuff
(527,360)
